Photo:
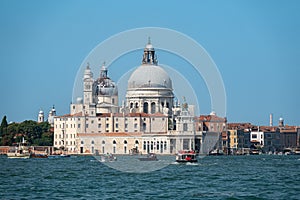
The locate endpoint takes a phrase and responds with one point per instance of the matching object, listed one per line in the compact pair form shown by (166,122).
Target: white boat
(19,151)
(185,156)
(150,157)
(108,158)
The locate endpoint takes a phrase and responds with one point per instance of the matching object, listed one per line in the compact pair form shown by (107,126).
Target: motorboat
(149,157)
(37,155)
(185,156)
(108,158)
(19,151)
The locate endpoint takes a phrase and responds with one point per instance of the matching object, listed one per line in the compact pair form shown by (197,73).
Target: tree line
(36,134)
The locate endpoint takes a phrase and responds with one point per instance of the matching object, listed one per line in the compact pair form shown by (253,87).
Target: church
(149,121)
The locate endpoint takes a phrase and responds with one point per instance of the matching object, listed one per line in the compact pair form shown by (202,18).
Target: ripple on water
(243,177)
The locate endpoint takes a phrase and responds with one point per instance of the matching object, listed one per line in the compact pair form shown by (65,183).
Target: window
(86,125)
(135,119)
(152,107)
(135,125)
(107,119)
(185,127)
(165,146)
(78,126)
(92,142)
(254,136)
(145,107)
(117,119)
(144,146)
(99,125)
(82,142)
(92,121)
(126,125)
(117,125)
(157,145)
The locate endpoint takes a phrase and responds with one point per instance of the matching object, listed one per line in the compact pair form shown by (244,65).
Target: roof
(212,118)
(111,134)
(70,115)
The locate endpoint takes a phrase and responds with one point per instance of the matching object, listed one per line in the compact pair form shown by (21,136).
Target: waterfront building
(233,141)
(269,139)
(149,121)
(214,128)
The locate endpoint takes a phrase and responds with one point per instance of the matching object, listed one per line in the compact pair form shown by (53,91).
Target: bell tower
(88,86)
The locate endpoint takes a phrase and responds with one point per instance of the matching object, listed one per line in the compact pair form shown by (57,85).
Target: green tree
(3,128)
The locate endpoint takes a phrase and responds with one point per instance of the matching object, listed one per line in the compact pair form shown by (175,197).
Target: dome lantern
(149,56)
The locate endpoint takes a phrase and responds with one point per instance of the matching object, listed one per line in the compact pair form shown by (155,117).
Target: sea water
(220,177)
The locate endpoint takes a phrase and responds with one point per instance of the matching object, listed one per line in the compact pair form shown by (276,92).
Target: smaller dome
(149,47)
(280,119)
(213,113)
(79,100)
(41,112)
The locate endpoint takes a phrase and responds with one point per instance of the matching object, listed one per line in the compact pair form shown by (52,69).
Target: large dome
(149,76)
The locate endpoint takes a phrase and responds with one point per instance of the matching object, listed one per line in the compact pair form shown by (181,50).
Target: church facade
(149,120)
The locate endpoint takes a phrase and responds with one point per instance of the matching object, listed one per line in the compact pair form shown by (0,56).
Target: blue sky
(255,45)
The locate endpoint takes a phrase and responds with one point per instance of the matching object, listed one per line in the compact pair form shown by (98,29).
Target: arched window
(82,142)
(144,126)
(145,146)
(136,105)
(131,105)
(152,108)
(136,142)
(125,141)
(92,142)
(114,142)
(145,107)
(103,142)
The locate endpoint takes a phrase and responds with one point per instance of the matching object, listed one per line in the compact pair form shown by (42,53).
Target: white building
(257,137)
(149,121)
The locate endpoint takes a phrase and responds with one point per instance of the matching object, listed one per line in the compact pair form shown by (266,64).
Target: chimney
(271,119)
